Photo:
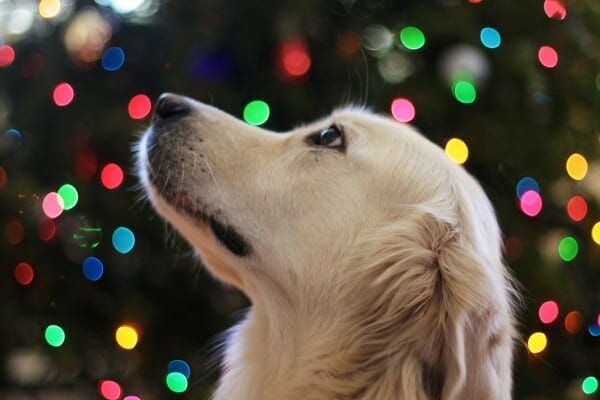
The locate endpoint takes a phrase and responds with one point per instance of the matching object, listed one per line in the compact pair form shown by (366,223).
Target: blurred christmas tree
(95,303)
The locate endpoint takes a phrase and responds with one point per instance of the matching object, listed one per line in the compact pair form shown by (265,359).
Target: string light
(589,385)
(14,231)
(548,56)
(7,55)
(63,94)
(577,208)
(46,229)
(293,59)
(412,38)
(176,382)
(139,106)
(256,112)
(179,366)
(490,37)
(525,184)
(464,91)
(113,58)
(577,166)
(55,335)
(596,233)
(568,248)
(537,342)
(573,322)
(69,196)
(111,176)
(123,240)
(24,273)
(531,203)
(555,9)
(53,205)
(457,150)
(92,268)
(403,110)
(49,8)
(126,337)
(548,312)
(110,390)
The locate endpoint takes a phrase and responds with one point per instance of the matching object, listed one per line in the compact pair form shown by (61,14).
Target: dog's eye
(331,137)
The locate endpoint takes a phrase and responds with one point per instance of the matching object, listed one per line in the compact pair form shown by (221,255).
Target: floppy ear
(439,301)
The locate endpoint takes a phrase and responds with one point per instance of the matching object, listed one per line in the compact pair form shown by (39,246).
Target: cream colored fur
(375,273)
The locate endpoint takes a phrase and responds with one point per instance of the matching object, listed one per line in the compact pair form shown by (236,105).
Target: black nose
(170,105)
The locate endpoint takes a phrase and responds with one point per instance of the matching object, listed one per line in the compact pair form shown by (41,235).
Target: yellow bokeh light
(457,150)
(49,8)
(596,232)
(537,342)
(577,166)
(127,337)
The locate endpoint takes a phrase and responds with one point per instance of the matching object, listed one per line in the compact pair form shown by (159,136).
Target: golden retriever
(372,261)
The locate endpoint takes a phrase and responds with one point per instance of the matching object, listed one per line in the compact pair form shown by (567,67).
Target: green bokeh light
(256,112)
(589,385)
(412,38)
(464,91)
(568,248)
(177,382)
(69,195)
(55,335)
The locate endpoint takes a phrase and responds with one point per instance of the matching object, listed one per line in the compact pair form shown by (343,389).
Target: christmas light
(126,337)
(403,110)
(577,208)
(568,248)
(577,166)
(537,342)
(256,112)
(63,94)
(457,150)
(52,205)
(123,240)
(55,335)
(92,268)
(110,390)
(69,195)
(113,59)
(139,106)
(412,38)
(176,382)
(525,184)
(548,57)
(24,274)
(7,55)
(490,38)
(548,312)
(531,203)
(179,366)
(111,176)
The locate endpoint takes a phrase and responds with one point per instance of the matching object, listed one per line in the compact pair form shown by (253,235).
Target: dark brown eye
(331,137)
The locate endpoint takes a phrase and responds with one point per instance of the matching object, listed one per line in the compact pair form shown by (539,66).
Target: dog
(372,261)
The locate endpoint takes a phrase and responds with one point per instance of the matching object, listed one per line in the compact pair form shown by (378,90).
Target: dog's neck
(304,357)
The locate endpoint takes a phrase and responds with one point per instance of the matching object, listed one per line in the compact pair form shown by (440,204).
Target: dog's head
(352,205)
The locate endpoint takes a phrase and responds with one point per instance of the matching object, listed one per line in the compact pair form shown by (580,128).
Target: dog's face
(273,211)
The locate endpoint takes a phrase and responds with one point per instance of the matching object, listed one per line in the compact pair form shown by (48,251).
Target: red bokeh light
(24,273)
(555,9)
(110,390)
(548,57)
(577,208)
(348,43)
(548,312)
(139,106)
(112,176)
(573,322)
(474,1)
(7,55)
(2,177)
(86,164)
(14,232)
(46,229)
(293,59)
(63,94)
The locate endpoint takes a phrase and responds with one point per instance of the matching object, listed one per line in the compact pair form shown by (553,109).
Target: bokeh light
(596,232)
(69,195)
(256,112)
(403,109)
(63,94)
(46,229)
(537,342)
(525,184)
(594,330)
(3,177)
(87,234)
(548,57)
(123,240)
(457,150)
(464,91)
(126,337)
(13,138)
(54,335)
(49,8)
(52,205)
(548,312)
(475,1)
(113,58)
(7,55)
(24,273)
(555,9)
(568,248)
(92,268)
(293,59)
(589,385)
(14,231)
(110,390)
(176,382)
(139,106)
(112,176)
(577,166)
(573,322)
(412,38)
(531,203)
(490,37)
(577,208)
(86,164)
(180,366)
(131,398)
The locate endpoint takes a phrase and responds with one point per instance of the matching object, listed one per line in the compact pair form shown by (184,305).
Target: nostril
(170,105)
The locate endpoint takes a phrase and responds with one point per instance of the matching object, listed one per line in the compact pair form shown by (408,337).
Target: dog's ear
(444,303)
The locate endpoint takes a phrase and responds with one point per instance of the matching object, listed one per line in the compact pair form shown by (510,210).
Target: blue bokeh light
(490,38)
(12,138)
(123,240)
(179,366)
(113,58)
(526,184)
(93,269)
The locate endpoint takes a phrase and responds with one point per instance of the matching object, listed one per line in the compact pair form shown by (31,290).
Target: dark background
(526,121)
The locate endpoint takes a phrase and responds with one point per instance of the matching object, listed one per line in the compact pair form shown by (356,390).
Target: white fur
(375,273)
